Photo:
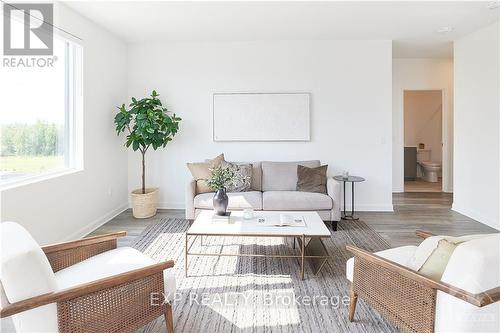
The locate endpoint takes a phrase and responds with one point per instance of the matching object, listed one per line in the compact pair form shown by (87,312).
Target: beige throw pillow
(432,255)
(436,263)
(311,179)
(201,172)
(202,186)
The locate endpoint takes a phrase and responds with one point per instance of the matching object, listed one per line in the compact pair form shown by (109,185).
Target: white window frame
(73,120)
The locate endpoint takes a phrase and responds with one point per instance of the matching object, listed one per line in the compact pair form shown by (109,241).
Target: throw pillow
(202,186)
(311,179)
(432,255)
(201,172)
(436,263)
(242,179)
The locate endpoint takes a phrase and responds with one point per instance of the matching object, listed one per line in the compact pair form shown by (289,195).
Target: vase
(220,201)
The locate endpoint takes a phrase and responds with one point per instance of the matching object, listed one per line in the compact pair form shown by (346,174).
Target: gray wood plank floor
(412,211)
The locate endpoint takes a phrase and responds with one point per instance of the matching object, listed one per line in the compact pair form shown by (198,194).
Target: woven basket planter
(144,205)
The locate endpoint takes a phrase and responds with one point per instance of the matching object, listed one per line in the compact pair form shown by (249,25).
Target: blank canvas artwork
(261,117)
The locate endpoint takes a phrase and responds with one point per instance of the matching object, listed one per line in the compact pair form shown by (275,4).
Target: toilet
(427,170)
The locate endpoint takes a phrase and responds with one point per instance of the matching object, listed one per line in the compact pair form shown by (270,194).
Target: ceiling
(412,25)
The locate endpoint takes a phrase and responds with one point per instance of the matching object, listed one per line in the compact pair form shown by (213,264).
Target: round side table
(352,180)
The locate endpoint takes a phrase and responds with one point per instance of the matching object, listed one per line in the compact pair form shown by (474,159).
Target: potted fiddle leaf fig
(148,124)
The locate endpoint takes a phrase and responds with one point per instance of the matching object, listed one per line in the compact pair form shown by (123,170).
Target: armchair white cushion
(26,273)
(474,267)
(430,244)
(109,263)
(399,255)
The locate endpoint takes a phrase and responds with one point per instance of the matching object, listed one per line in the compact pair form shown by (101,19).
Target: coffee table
(309,237)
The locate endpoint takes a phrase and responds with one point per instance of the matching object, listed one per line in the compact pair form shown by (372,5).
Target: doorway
(423,140)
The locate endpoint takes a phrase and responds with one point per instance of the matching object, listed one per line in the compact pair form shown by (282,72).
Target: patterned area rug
(243,294)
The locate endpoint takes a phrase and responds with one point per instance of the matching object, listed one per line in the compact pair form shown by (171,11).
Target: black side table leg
(351,216)
(352,200)
(344,202)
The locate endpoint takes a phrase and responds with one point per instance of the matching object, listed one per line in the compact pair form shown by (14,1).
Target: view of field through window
(32,118)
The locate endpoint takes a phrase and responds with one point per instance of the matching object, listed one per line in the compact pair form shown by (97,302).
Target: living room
(249,150)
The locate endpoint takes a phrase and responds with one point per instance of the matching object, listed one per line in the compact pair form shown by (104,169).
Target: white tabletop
(203,225)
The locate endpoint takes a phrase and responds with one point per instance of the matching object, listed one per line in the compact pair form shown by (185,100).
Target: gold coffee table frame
(314,250)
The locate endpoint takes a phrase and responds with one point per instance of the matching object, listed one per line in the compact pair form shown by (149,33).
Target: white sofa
(467,295)
(273,188)
(35,287)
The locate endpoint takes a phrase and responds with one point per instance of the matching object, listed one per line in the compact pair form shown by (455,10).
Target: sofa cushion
(109,263)
(282,176)
(237,200)
(294,200)
(399,255)
(25,273)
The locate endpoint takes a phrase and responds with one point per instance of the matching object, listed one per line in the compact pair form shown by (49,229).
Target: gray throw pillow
(242,180)
(311,179)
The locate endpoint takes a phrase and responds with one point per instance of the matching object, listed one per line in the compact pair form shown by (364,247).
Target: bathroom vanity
(410,163)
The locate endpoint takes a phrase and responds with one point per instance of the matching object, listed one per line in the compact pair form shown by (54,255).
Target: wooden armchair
(120,302)
(410,300)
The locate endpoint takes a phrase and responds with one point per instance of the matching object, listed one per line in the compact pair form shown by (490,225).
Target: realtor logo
(28,29)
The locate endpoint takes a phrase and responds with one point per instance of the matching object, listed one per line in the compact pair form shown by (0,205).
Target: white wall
(350,86)
(70,206)
(423,121)
(477,126)
(421,74)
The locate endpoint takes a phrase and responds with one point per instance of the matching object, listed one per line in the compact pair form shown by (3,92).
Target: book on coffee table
(282,220)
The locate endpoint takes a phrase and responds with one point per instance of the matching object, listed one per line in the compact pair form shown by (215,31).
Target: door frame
(446,137)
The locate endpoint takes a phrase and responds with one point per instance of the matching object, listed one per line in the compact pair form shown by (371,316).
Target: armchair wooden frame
(403,296)
(120,303)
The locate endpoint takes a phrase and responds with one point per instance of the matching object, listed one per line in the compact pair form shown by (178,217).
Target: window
(40,110)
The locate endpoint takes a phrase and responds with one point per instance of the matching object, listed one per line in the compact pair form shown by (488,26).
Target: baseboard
(96,223)
(171,205)
(447,189)
(476,216)
(166,205)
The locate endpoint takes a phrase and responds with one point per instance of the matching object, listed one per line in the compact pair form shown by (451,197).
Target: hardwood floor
(427,211)
(412,211)
(126,222)
(420,185)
